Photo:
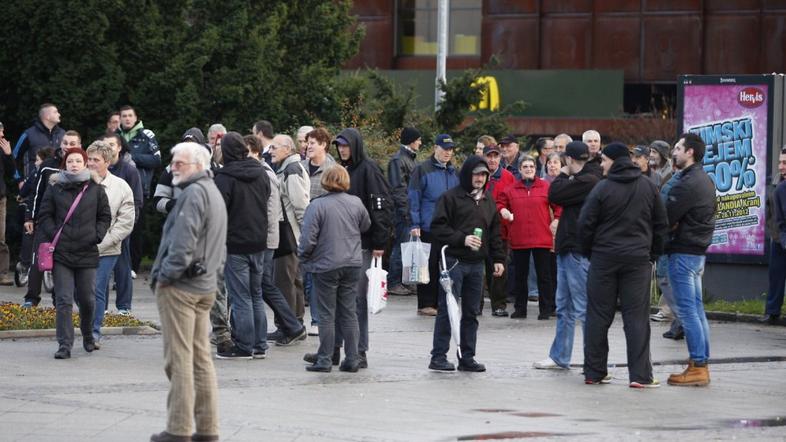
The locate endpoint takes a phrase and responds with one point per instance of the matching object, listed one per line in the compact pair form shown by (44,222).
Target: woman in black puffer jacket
(76,253)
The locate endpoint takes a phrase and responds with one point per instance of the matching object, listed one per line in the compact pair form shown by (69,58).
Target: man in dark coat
(245,187)
(367,183)
(44,132)
(691,205)
(622,227)
(460,212)
(399,170)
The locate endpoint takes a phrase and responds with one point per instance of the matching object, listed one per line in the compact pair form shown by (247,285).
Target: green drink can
(478,232)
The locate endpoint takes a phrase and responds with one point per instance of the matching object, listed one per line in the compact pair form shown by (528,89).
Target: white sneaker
(659,317)
(547,364)
(133,274)
(313,330)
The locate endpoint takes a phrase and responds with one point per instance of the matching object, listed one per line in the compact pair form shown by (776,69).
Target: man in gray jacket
(184,279)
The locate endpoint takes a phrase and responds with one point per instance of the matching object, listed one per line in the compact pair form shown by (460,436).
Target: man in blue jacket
(428,182)
(44,132)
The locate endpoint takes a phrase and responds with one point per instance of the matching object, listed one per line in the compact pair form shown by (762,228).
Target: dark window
(417,27)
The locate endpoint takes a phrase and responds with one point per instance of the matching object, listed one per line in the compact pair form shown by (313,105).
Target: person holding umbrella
(466,221)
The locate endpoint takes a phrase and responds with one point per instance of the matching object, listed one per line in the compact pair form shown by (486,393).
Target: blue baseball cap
(444,141)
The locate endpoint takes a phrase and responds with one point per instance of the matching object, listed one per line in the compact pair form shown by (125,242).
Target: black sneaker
(679,334)
(362,360)
(234,353)
(275,336)
(441,365)
(258,354)
(311,358)
(471,365)
(349,367)
(319,368)
(285,341)
(519,314)
(63,353)
(89,345)
(500,313)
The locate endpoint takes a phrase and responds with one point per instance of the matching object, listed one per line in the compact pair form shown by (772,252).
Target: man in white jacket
(121,203)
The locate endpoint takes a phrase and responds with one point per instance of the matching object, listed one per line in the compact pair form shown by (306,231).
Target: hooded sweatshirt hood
(356,148)
(465,175)
(237,163)
(623,170)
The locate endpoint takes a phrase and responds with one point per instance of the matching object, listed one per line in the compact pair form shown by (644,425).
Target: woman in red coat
(526,206)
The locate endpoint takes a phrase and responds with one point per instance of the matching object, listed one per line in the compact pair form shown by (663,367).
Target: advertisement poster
(732,119)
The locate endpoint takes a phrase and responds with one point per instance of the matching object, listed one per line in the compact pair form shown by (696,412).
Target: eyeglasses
(179,164)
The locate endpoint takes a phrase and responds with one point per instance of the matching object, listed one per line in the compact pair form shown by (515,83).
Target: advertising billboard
(734,116)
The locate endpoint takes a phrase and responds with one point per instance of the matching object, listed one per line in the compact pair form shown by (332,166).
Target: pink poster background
(712,104)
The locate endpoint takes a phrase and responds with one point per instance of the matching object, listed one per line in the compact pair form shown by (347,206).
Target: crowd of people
(268,219)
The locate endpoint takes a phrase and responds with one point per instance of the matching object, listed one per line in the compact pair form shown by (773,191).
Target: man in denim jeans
(691,206)
(569,190)
(459,213)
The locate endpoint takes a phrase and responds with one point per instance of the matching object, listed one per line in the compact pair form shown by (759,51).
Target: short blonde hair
(102,149)
(335,179)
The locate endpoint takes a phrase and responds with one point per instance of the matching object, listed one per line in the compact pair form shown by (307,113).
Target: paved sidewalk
(119,392)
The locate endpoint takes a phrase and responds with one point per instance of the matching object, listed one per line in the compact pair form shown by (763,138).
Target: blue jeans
(123,281)
(777,274)
(468,285)
(662,276)
(284,317)
(685,272)
(308,287)
(243,276)
(105,266)
(396,267)
(571,304)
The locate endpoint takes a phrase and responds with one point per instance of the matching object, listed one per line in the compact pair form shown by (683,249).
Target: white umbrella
(454,311)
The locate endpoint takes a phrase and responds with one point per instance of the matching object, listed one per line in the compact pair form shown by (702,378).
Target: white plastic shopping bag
(377,293)
(414,259)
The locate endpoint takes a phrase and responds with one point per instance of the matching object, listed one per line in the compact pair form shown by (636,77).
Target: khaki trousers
(193,390)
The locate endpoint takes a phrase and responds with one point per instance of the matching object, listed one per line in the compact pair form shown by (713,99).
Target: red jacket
(498,182)
(531,215)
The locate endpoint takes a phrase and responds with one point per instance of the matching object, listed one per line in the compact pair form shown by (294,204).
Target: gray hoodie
(195,229)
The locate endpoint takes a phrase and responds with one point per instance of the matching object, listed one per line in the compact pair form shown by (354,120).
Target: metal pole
(443,6)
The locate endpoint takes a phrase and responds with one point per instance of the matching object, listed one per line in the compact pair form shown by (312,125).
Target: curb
(105,331)
(734,317)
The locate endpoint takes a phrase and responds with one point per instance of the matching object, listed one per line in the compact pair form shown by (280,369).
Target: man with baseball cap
(511,156)
(622,227)
(569,190)
(499,180)
(429,181)
(641,157)
(400,169)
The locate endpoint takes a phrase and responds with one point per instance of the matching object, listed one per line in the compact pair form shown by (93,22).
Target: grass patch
(748,306)
(14,317)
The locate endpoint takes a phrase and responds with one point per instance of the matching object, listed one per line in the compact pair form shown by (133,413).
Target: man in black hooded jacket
(369,184)
(622,228)
(459,213)
(245,186)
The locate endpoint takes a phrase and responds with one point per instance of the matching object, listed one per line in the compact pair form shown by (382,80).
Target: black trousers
(629,281)
(427,293)
(137,240)
(542,259)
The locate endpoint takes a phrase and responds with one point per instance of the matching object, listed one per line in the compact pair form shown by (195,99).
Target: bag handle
(376,262)
(69,214)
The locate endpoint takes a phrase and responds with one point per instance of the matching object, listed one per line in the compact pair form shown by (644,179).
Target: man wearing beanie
(569,190)
(399,170)
(622,228)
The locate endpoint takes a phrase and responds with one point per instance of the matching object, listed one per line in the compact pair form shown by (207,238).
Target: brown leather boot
(692,376)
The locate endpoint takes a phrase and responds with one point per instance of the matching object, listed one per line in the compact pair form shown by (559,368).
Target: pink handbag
(46,250)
